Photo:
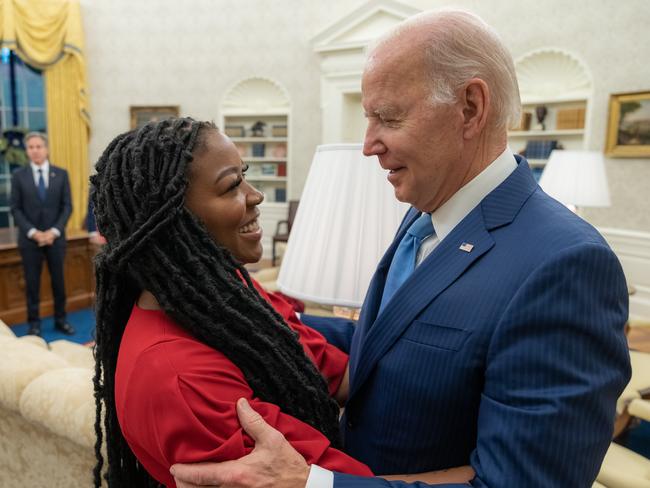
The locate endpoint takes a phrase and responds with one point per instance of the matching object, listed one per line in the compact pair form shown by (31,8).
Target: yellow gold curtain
(48,35)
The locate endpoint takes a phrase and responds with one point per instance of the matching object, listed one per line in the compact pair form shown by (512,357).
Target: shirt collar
(45,167)
(449,215)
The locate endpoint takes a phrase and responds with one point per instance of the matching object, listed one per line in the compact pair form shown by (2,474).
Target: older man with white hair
(492,331)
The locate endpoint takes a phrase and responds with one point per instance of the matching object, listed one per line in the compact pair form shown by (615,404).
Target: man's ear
(475,98)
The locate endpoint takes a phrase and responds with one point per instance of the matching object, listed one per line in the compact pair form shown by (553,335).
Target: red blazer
(175,397)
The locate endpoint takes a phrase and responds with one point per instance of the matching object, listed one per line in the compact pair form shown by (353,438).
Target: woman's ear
(476,107)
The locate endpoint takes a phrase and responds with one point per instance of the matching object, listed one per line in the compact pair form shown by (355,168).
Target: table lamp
(347,218)
(576,178)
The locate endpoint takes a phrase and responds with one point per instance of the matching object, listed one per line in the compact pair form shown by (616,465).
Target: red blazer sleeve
(180,408)
(330,361)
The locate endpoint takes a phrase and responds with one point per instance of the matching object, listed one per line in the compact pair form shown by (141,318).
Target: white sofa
(47,413)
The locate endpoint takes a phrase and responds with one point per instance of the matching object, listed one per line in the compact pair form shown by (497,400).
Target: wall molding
(341,49)
(633,250)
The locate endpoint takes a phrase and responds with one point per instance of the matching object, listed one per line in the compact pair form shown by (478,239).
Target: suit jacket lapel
(441,268)
(375,290)
(52,181)
(376,334)
(28,175)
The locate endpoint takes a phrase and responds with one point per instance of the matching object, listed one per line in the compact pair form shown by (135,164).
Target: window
(22,106)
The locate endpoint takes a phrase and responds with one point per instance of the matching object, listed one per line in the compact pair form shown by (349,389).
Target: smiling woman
(219,196)
(183,332)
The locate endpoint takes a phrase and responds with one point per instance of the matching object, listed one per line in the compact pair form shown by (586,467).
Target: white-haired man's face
(420,144)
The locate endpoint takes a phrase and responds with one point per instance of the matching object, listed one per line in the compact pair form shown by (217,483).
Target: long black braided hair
(154,243)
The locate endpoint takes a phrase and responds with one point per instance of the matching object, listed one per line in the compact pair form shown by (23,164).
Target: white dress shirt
(45,169)
(444,219)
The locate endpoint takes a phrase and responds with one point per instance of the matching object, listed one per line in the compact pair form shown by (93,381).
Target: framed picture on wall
(628,131)
(140,115)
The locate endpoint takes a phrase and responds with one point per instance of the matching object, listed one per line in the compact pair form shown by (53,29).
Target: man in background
(41,205)
(492,331)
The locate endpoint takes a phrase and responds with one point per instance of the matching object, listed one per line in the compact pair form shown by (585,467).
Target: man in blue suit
(492,331)
(41,206)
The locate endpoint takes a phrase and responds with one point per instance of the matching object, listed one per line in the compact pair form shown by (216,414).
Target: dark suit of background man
(41,206)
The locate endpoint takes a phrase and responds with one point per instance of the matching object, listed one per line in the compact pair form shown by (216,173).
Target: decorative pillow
(20,363)
(62,401)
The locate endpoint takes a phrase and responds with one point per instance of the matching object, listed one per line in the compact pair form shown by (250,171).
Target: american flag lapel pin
(466,246)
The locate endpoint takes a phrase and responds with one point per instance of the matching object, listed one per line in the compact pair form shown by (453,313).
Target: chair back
(293,208)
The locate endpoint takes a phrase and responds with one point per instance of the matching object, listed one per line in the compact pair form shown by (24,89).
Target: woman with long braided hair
(183,331)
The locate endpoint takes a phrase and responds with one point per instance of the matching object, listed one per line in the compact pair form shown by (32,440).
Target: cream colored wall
(190,52)
(162,52)
(613,40)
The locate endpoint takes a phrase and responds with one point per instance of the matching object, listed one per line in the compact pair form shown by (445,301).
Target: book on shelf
(279,130)
(282,169)
(540,149)
(570,118)
(280,195)
(279,151)
(524,123)
(258,149)
(269,169)
(234,130)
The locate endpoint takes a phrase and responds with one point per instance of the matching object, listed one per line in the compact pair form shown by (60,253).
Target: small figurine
(257,130)
(541,112)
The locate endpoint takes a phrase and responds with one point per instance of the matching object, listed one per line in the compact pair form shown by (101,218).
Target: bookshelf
(256,116)
(562,83)
(265,153)
(564,123)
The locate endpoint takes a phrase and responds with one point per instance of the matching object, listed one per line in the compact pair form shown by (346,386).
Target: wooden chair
(283,228)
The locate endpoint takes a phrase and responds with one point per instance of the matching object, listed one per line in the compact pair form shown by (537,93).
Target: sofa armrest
(62,402)
(5,330)
(640,409)
(77,355)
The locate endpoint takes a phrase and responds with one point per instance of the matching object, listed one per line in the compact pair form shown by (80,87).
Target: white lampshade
(576,178)
(347,218)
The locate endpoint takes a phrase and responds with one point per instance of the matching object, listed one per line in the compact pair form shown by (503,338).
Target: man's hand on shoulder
(273,462)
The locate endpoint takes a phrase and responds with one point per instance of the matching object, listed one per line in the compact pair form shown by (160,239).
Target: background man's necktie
(404,258)
(41,185)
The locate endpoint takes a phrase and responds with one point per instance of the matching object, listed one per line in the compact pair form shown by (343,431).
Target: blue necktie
(403,263)
(41,185)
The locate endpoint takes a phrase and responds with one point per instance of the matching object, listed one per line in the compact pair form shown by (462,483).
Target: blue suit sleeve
(336,331)
(351,481)
(556,363)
